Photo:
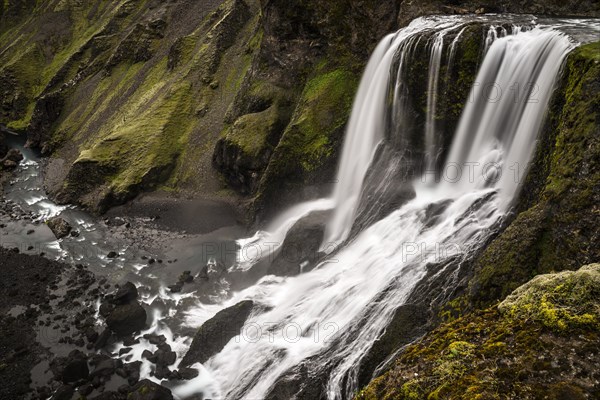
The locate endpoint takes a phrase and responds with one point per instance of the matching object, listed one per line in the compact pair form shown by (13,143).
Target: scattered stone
(112,254)
(59,227)
(127,319)
(147,390)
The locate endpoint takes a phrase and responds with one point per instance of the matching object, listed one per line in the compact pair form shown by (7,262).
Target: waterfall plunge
(352,296)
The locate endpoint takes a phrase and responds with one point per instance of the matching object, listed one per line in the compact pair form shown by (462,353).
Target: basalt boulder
(300,249)
(127,319)
(59,227)
(215,333)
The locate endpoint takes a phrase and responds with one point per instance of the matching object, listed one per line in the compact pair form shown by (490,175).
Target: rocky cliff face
(233,99)
(555,228)
(540,343)
(185,96)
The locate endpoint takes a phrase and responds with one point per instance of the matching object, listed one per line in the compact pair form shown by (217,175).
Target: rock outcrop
(301,248)
(541,342)
(215,333)
(59,227)
(124,314)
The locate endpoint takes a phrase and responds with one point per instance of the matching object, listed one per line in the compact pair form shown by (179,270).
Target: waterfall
(435,63)
(328,318)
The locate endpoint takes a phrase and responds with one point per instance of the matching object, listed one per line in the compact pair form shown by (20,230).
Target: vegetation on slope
(543,341)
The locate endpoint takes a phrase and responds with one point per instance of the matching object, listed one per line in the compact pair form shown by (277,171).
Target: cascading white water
(435,63)
(366,125)
(368,279)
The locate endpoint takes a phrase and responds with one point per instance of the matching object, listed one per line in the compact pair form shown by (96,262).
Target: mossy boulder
(541,342)
(563,301)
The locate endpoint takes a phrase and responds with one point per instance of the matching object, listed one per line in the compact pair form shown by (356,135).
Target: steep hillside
(229,99)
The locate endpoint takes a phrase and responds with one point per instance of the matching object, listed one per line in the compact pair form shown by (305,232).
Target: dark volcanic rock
(126,294)
(147,390)
(19,349)
(64,392)
(12,158)
(127,319)
(300,250)
(409,322)
(59,227)
(76,367)
(216,332)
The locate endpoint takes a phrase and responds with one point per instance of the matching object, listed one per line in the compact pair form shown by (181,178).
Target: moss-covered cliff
(136,95)
(558,226)
(195,97)
(517,349)
(542,342)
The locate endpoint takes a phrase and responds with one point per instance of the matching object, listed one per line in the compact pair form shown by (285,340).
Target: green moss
(564,301)
(314,131)
(522,349)
(149,142)
(251,132)
(557,223)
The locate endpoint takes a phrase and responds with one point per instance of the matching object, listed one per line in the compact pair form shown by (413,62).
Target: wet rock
(187,373)
(108,396)
(124,350)
(91,335)
(186,277)
(59,227)
(64,392)
(155,339)
(127,319)
(76,367)
(126,294)
(408,323)
(85,389)
(104,368)
(12,159)
(106,308)
(176,288)
(165,357)
(215,333)
(148,355)
(147,390)
(300,249)
(203,274)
